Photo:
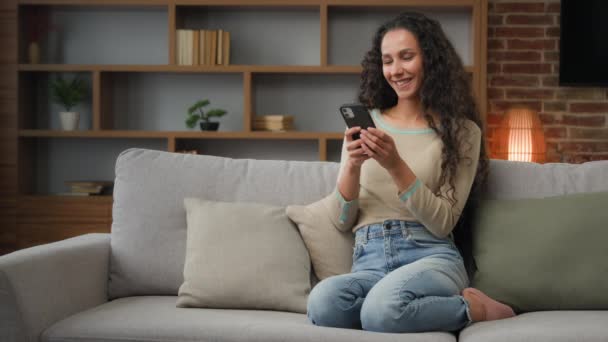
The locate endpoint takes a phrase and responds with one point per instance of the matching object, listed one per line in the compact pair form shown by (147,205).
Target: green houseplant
(68,95)
(196,113)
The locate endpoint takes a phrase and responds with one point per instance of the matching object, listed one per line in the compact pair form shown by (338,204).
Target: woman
(402,188)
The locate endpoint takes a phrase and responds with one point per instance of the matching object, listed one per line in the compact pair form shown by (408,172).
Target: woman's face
(402,63)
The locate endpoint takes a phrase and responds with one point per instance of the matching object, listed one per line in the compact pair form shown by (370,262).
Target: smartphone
(356,114)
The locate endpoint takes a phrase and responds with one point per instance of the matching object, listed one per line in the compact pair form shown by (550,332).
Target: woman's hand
(356,155)
(381,147)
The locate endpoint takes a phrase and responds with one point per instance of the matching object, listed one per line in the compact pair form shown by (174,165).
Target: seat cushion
(155,318)
(542,326)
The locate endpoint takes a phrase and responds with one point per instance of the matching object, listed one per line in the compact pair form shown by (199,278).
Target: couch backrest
(149,220)
(510,180)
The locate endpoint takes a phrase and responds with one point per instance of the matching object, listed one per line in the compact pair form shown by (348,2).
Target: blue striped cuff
(345,205)
(410,192)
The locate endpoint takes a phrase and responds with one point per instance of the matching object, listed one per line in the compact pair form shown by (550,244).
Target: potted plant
(68,95)
(196,113)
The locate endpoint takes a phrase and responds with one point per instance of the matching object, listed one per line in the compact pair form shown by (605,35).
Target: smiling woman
(402,189)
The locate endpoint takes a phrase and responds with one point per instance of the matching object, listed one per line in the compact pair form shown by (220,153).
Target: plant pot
(69,120)
(209,126)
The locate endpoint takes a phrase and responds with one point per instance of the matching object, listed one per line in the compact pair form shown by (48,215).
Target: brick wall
(523,68)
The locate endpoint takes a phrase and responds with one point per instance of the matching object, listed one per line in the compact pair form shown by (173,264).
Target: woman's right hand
(356,155)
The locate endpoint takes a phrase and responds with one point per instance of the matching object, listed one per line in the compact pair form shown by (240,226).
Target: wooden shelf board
(286,69)
(279,3)
(36,133)
(348,69)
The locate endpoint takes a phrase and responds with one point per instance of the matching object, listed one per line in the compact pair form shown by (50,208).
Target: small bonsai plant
(68,94)
(196,113)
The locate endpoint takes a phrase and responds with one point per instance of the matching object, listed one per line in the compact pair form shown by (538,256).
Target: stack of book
(89,188)
(275,123)
(202,47)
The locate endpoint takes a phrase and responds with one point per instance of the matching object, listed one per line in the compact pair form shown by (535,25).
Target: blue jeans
(403,279)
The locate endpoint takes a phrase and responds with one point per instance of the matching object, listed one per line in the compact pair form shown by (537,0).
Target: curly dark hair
(445,92)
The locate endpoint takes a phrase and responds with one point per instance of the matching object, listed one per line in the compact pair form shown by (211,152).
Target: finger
(350,131)
(354,145)
(372,141)
(379,134)
(369,152)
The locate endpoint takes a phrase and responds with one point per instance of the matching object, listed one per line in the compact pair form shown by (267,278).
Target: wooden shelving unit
(38,224)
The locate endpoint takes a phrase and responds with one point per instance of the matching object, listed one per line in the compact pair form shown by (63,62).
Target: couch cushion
(243,256)
(545,326)
(509,179)
(139,319)
(149,219)
(544,253)
(331,251)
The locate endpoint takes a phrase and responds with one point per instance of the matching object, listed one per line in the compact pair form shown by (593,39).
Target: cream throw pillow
(331,251)
(243,256)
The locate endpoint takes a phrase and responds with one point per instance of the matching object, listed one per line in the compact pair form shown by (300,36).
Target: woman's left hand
(381,147)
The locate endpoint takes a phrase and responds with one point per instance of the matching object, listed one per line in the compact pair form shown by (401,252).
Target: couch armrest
(44,284)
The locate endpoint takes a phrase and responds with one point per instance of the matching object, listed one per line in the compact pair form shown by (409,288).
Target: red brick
(579,94)
(589,107)
(584,120)
(551,56)
(533,44)
(496,44)
(501,106)
(554,106)
(495,20)
(548,119)
(511,56)
(514,81)
(529,93)
(527,68)
(550,81)
(555,68)
(555,132)
(552,32)
(554,7)
(491,32)
(520,32)
(589,133)
(493,68)
(496,94)
(522,19)
(518,7)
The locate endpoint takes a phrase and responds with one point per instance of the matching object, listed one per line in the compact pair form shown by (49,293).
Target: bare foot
(484,308)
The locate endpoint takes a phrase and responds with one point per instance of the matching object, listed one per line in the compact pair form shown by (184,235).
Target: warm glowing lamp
(520,137)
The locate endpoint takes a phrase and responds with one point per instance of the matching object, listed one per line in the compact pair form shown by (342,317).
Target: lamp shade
(520,137)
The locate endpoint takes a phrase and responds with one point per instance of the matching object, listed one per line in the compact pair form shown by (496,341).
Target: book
(226,48)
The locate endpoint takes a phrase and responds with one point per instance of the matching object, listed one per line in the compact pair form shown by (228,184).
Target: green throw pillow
(544,254)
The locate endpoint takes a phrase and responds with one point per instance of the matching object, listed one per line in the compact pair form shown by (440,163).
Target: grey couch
(122,286)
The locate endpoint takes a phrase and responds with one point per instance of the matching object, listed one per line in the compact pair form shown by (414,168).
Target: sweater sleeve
(343,213)
(436,213)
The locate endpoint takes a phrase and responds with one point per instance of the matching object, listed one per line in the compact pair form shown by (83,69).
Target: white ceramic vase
(69,120)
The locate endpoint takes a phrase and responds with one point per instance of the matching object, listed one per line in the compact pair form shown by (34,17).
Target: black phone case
(358,116)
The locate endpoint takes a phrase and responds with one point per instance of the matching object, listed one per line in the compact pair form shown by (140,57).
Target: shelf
(281,3)
(33,133)
(295,69)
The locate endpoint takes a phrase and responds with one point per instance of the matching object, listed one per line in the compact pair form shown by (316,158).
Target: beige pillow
(331,251)
(243,256)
